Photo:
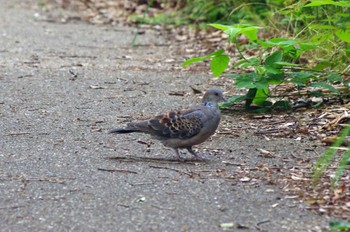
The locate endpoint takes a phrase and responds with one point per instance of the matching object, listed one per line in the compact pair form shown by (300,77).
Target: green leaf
(282,105)
(232,101)
(307,46)
(272,70)
(325,86)
(250,32)
(322,65)
(240,62)
(260,96)
(250,97)
(262,110)
(281,42)
(216,53)
(334,77)
(275,79)
(324,160)
(283,63)
(245,84)
(343,35)
(246,80)
(262,84)
(300,78)
(271,60)
(201,58)
(336,225)
(233,32)
(219,64)
(322,27)
(219,26)
(194,60)
(328,2)
(343,164)
(226,226)
(250,62)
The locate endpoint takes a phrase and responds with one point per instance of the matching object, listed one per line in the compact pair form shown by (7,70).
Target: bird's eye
(216,94)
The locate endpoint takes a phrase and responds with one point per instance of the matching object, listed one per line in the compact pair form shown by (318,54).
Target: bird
(182,129)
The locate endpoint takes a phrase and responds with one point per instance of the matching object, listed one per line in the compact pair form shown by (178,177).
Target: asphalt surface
(63,85)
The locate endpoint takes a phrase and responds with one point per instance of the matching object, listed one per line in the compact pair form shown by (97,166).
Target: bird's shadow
(131,159)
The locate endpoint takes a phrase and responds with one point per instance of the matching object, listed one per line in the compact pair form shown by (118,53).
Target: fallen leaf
(245,179)
(97,87)
(228,225)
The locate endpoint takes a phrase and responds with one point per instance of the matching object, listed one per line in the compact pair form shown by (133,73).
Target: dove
(182,129)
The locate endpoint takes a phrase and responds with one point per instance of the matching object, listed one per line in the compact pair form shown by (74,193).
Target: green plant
(339,226)
(278,59)
(226,11)
(324,22)
(324,161)
(274,65)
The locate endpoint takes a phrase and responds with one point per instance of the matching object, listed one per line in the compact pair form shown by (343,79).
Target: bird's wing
(175,124)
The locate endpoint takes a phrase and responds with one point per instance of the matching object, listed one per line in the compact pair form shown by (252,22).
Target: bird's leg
(177,153)
(189,149)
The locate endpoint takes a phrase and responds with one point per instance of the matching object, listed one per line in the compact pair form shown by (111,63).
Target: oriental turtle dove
(185,128)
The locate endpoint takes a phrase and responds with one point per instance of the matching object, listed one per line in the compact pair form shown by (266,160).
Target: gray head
(213,95)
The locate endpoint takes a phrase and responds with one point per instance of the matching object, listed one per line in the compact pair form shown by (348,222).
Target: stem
(133,42)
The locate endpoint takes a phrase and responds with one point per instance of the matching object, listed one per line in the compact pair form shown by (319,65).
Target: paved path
(62,86)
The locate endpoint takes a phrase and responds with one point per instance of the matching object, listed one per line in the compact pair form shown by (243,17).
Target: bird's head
(213,95)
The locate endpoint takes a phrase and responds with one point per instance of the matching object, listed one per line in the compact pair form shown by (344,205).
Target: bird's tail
(123,130)
(130,128)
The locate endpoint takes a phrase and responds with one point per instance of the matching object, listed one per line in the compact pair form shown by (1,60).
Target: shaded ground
(64,85)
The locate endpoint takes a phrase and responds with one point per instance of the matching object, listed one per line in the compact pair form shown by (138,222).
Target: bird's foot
(196,157)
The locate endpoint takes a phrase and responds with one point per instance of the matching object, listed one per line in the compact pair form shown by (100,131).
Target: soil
(65,84)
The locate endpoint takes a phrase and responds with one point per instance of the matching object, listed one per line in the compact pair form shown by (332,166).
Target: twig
(125,206)
(262,222)
(13,207)
(17,133)
(162,208)
(117,170)
(172,169)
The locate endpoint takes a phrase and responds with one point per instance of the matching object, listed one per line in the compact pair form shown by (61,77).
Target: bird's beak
(223,99)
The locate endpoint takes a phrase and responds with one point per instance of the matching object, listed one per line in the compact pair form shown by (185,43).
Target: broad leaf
(283,105)
(219,26)
(275,79)
(322,27)
(250,97)
(201,58)
(245,84)
(262,84)
(219,64)
(328,2)
(272,70)
(216,53)
(250,32)
(271,60)
(307,46)
(232,101)
(342,226)
(343,35)
(300,78)
(325,86)
(194,60)
(334,77)
(322,65)
(261,96)
(282,42)
(283,63)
